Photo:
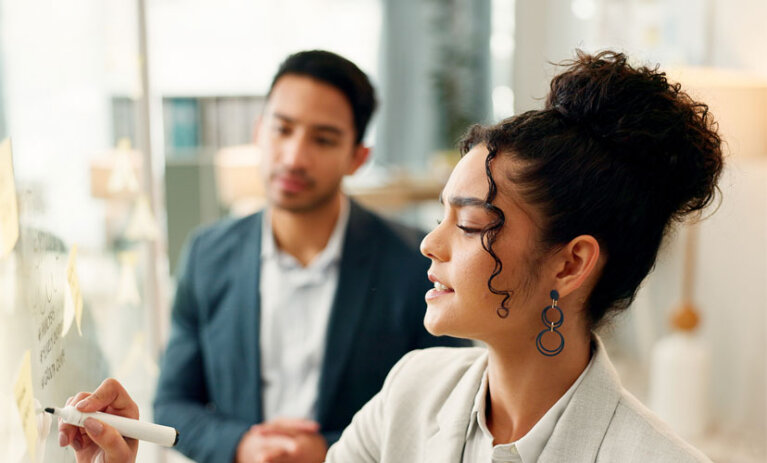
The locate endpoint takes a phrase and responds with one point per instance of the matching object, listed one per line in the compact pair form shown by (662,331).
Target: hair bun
(668,138)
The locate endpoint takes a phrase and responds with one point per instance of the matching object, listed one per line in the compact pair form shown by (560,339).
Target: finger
(110,394)
(287,426)
(278,441)
(64,436)
(116,447)
(273,431)
(84,439)
(77,398)
(271,454)
(298,424)
(67,432)
(78,440)
(276,431)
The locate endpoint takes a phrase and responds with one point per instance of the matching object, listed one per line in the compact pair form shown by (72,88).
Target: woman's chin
(433,330)
(435,323)
(430,322)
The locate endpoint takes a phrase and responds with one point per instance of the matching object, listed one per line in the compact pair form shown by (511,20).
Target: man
(287,321)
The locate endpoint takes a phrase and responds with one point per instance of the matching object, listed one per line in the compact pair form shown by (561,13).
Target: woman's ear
(576,262)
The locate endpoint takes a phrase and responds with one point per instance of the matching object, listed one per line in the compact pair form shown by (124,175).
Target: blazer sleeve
(182,397)
(331,437)
(363,440)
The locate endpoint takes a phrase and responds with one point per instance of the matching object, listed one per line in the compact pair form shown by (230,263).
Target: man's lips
(291,183)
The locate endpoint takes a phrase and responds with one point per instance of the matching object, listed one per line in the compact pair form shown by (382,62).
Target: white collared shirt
(295,309)
(479,441)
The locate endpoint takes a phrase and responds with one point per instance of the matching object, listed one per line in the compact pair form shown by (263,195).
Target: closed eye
(469,230)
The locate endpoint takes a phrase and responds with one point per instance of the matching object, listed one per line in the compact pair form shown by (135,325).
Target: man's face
(307,142)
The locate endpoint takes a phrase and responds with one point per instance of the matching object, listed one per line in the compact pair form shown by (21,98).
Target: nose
(433,247)
(294,152)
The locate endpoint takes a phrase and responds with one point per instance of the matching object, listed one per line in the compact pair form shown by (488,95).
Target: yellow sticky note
(142,225)
(9,211)
(73,283)
(24,395)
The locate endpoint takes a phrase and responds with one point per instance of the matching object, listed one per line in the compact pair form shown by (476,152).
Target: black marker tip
(49,410)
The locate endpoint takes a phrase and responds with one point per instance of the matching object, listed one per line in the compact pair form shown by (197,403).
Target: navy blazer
(210,384)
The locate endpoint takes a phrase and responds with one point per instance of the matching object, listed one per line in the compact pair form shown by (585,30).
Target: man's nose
(295,152)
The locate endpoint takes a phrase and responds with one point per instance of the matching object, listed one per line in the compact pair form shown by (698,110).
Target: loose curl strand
(489,233)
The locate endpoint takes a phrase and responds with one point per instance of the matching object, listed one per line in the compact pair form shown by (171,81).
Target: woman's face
(461,304)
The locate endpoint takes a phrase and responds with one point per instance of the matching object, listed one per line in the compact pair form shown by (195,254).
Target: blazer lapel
(446,445)
(356,269)
(581,428)
(246,286)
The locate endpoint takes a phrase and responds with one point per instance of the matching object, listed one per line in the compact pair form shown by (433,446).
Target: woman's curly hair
(618,153)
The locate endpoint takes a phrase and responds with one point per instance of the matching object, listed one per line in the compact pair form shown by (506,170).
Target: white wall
(234,46)
(723,33)
(740,35)
(56,107)
(732,265)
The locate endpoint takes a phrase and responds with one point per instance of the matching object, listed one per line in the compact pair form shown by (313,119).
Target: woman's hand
(96,441)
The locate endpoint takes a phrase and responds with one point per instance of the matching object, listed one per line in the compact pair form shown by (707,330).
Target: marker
(135,429)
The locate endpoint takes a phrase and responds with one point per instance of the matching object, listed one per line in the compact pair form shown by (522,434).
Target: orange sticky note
(24,395)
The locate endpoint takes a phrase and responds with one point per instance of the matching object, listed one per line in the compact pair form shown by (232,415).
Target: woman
(565,209)
(551,221)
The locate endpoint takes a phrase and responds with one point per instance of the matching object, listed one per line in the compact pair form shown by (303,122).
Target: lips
(291,183)
(440,289)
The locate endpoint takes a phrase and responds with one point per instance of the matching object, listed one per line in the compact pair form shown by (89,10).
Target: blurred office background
(132,121)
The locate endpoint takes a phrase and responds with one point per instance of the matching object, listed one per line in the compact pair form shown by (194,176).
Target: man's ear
(359,156)
(576,263)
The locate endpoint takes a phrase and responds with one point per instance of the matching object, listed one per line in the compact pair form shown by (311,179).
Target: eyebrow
(319,127)
(462,201)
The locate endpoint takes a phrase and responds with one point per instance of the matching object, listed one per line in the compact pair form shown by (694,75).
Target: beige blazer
(422,414)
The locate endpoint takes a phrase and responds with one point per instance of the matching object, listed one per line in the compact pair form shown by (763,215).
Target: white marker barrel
(135,429)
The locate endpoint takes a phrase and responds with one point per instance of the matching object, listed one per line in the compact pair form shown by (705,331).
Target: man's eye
(325,141)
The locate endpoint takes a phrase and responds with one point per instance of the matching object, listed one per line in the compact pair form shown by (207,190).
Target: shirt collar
(329,255)
(480,404)
(530,446)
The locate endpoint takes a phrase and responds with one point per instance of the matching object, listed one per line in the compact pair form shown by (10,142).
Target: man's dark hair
(335,70)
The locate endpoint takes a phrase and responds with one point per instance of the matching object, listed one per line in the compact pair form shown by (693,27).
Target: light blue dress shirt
(295,310)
